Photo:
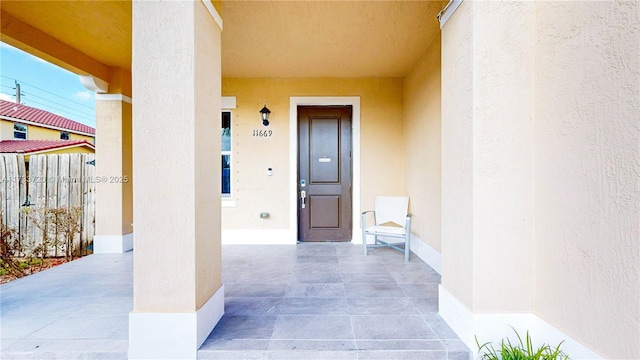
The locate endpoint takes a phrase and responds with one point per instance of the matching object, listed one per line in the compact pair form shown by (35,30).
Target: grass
(523,350)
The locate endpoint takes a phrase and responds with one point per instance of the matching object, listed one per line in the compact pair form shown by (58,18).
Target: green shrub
(3,272)
(523,350)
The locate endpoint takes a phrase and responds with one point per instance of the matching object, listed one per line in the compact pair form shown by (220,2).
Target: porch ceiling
(98,29)
(260,38)
(325,38)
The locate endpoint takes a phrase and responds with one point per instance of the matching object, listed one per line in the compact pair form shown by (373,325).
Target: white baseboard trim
(356,236)
(112,244)
(173,335)
(259,237)
(428,254)
(209,315)
(495,327)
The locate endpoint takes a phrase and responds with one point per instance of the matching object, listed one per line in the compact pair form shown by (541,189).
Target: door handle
(303,198)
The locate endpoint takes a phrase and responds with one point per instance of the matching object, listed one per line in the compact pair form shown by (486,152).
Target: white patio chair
(392,220)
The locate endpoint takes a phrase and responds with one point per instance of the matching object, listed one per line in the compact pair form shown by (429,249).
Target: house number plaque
(262,133)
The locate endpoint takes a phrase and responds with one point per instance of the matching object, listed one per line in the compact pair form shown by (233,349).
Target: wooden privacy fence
(47,181)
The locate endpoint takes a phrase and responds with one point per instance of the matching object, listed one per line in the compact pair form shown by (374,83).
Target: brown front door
(324,173)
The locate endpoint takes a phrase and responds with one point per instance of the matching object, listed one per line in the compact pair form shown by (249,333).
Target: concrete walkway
(76,310)
(310,301)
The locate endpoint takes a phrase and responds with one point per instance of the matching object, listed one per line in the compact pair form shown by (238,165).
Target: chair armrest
(364,218)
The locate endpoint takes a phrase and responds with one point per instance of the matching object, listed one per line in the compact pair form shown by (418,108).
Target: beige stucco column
(114,178)
(533,236)
(487,167)
(178,292)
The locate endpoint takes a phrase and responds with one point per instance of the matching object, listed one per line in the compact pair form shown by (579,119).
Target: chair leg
(407,247)
(363,223)
(364,242)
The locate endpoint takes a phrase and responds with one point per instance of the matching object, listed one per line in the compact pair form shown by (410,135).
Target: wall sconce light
(265,115)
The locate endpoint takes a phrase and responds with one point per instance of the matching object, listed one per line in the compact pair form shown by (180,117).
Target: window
(226,153)
(19,131)
(64,135)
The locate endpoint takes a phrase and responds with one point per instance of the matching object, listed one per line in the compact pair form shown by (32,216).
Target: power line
(81,117)
(9,94)
(48,92)
(63,105)
(77,117)
(74,112)
(58,109)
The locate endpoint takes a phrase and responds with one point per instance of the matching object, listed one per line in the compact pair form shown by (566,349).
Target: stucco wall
(457,155)
(207,81)
(127,168)
(72,150)
(503,36)
(38,133)
(177,208)
(421,123)
(550,134)
(114,159)
(73,136)
(382,162)
(6,130)
(488,145)
(587,172)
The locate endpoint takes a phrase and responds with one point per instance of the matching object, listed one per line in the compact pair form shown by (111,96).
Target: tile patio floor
(310,301)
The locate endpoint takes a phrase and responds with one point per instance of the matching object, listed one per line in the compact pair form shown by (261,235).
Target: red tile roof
(27,113)
(29,146)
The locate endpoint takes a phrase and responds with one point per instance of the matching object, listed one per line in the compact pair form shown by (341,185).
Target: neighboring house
(21,122)
(513,127)
(37,147)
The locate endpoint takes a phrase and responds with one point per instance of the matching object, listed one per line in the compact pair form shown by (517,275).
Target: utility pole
(18,93)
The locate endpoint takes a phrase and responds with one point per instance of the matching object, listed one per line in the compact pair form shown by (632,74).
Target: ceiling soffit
(98,29)
(325,38)
(262,38)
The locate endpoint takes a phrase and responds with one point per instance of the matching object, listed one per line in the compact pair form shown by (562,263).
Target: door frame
(294,102)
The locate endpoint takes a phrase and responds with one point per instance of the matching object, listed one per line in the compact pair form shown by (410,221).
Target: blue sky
(45,86)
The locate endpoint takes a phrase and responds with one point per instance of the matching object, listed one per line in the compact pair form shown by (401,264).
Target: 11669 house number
(262,133)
